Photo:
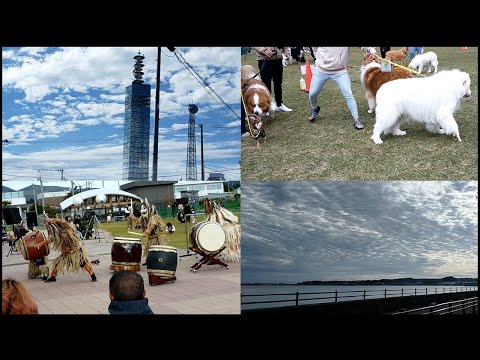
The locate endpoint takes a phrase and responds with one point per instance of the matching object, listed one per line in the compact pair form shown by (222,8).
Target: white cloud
(388,229)
(114,98)
(32,51)
(109,109)
(8,54)
(59,91)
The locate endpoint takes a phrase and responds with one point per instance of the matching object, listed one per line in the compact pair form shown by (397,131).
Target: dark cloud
(358,230)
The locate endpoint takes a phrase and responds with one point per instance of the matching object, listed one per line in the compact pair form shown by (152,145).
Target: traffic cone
(308,76)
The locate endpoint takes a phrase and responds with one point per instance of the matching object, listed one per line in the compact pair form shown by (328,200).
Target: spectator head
(17,299)
(126,285)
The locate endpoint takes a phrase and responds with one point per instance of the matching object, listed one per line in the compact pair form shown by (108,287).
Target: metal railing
(450,307)
(336,296)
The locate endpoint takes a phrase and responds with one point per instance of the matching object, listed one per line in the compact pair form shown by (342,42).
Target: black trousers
(272,70)
(242,118)
(383,50)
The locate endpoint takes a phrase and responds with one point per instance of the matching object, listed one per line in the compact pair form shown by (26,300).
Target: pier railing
(301,298)
(464,306)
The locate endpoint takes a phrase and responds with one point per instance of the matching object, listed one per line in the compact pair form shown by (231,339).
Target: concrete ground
(210,290)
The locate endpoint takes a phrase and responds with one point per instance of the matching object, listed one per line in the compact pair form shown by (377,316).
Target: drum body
(161,264)
(28,246)
(126,254)
(207,237)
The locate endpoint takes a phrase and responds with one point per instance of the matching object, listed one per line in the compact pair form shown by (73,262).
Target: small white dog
(429,100)
(421,60)
(287,56)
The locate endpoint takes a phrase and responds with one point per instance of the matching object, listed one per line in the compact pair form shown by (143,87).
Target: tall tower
(191,147)
(136,128)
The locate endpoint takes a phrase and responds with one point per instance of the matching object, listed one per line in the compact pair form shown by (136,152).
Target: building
(216,176)
(200,189)
(164,193)
(158,193)
(136,128)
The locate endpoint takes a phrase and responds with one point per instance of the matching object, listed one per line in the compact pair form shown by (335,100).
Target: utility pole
(35,199)
(41,189)
(41,184)
(201,150)
(157,120)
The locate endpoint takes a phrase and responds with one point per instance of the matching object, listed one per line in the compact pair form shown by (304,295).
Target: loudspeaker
(32,219)
(12,216)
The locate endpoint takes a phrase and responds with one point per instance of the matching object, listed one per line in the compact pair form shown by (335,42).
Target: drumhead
(162,248)
(210,236)
(127,240)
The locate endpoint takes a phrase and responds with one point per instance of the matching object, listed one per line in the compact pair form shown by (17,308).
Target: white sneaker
(245,134)
(282,108)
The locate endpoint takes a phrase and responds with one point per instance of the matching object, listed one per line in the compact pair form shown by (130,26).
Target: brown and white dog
(397,55)
(256,125)
(258,99)
(372,77)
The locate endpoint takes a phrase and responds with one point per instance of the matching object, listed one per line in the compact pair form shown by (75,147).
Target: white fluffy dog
(429,100)
(287,56)
(421,60)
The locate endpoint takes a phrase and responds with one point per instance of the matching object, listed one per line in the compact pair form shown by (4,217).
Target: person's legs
(383,50)
(413,51)
(53,273)
(88,268)
(343,82)
(316,85)
(266,72)
(243,129)
(277,76)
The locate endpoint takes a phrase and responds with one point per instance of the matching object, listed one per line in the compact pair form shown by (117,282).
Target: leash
(243,102)
(248,120)
(400,66)
(246,115)
(274,53)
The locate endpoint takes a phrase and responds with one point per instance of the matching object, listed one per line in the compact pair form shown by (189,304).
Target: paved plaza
(210,290)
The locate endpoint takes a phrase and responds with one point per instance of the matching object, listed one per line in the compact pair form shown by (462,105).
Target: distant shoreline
(447,281)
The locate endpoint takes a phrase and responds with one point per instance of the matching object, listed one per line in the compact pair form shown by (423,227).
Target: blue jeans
(414,51)
(343,81)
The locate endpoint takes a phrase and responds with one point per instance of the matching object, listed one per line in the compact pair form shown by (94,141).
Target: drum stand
(13,243)
(93,221)
(186,238)
(13,247)
(208,258)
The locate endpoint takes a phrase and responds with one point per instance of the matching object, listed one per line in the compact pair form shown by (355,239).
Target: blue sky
(63,108)
(350,230)
(84,184)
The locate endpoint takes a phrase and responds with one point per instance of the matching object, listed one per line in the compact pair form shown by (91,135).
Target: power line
(203,83)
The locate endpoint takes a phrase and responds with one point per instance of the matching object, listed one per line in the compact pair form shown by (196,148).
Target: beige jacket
(261,53)
(332,60)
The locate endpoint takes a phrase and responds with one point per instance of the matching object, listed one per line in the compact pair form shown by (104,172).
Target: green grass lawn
(331,149)
(177,239)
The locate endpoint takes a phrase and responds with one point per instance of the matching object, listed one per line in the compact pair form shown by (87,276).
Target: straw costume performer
(72,256)
(36,267)
(229,221)
(133,221)
(144,216)
(156,229)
